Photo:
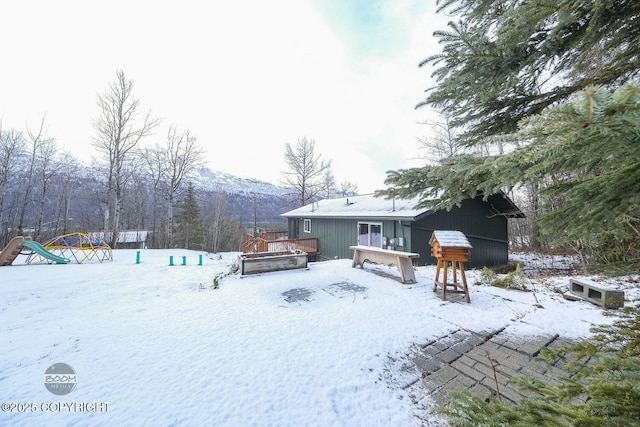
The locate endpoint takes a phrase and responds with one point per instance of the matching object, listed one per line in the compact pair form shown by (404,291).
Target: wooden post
(464,282)
(443,265)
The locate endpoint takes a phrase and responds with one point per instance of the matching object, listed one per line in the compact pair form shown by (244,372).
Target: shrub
(513,280)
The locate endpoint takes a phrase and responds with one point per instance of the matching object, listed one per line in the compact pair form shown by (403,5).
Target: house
(397,224)
(128,239)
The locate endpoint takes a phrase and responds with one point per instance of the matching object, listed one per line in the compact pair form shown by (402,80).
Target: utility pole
(255,216)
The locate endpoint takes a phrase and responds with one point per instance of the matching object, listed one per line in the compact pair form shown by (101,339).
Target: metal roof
(367,206)
(128,236)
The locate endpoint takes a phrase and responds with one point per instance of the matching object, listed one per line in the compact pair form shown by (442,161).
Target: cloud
(244,77)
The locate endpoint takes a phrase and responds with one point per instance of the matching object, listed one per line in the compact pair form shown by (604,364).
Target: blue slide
(40,250)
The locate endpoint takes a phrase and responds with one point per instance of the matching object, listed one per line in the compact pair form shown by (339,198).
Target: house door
(370,234)
(293,228)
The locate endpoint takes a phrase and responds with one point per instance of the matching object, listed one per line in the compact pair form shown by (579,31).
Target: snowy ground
(154,344)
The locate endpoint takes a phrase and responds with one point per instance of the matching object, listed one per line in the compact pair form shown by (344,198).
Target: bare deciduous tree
(154,161)
(11,146)
(67,192)
(306,169)
(328,183)
(166,167)
(119,130)
(35,141)
(441,142)
(48,167)
(348,188)
(182,156)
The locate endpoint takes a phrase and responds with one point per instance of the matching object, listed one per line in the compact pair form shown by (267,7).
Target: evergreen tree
(506,60)
(539,79)
(591,148)
(189,227)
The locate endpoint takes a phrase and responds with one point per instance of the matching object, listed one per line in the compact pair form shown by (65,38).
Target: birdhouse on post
(451,248)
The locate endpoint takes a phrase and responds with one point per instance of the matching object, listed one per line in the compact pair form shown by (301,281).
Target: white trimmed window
(306,227)
(370,234)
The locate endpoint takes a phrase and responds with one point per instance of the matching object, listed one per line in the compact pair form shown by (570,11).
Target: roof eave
(352,217)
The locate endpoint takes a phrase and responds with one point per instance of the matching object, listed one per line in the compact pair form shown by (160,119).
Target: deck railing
(279,244)
(274,235)
(307,244)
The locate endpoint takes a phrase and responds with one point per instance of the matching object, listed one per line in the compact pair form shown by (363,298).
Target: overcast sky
(245,77)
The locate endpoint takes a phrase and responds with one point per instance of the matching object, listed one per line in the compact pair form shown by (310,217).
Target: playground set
(74,247)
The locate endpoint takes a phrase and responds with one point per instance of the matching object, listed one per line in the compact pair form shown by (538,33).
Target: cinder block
(597,294)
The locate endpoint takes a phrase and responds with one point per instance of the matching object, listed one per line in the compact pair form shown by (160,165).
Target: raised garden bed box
(262,262)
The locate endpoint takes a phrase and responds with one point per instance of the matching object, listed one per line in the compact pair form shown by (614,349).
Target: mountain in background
(270,200)
(207,179)
(75,201)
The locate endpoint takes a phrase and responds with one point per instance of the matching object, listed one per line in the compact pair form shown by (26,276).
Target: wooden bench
(402,260)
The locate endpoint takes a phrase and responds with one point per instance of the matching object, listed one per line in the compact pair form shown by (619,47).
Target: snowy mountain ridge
(207,179)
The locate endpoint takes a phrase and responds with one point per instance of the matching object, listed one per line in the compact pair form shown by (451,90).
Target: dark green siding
(485,228)
(336,235)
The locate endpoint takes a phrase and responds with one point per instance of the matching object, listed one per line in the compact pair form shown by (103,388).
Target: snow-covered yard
(154,344)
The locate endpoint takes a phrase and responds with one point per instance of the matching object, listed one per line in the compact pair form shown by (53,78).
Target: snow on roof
(365,206)
(131,236)
(450,239)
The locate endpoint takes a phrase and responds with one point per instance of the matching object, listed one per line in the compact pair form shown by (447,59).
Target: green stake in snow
(184,260)
(171,260)
(200,259)
(137,257)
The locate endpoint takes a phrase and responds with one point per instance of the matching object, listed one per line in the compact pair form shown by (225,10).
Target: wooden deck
(280,244)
